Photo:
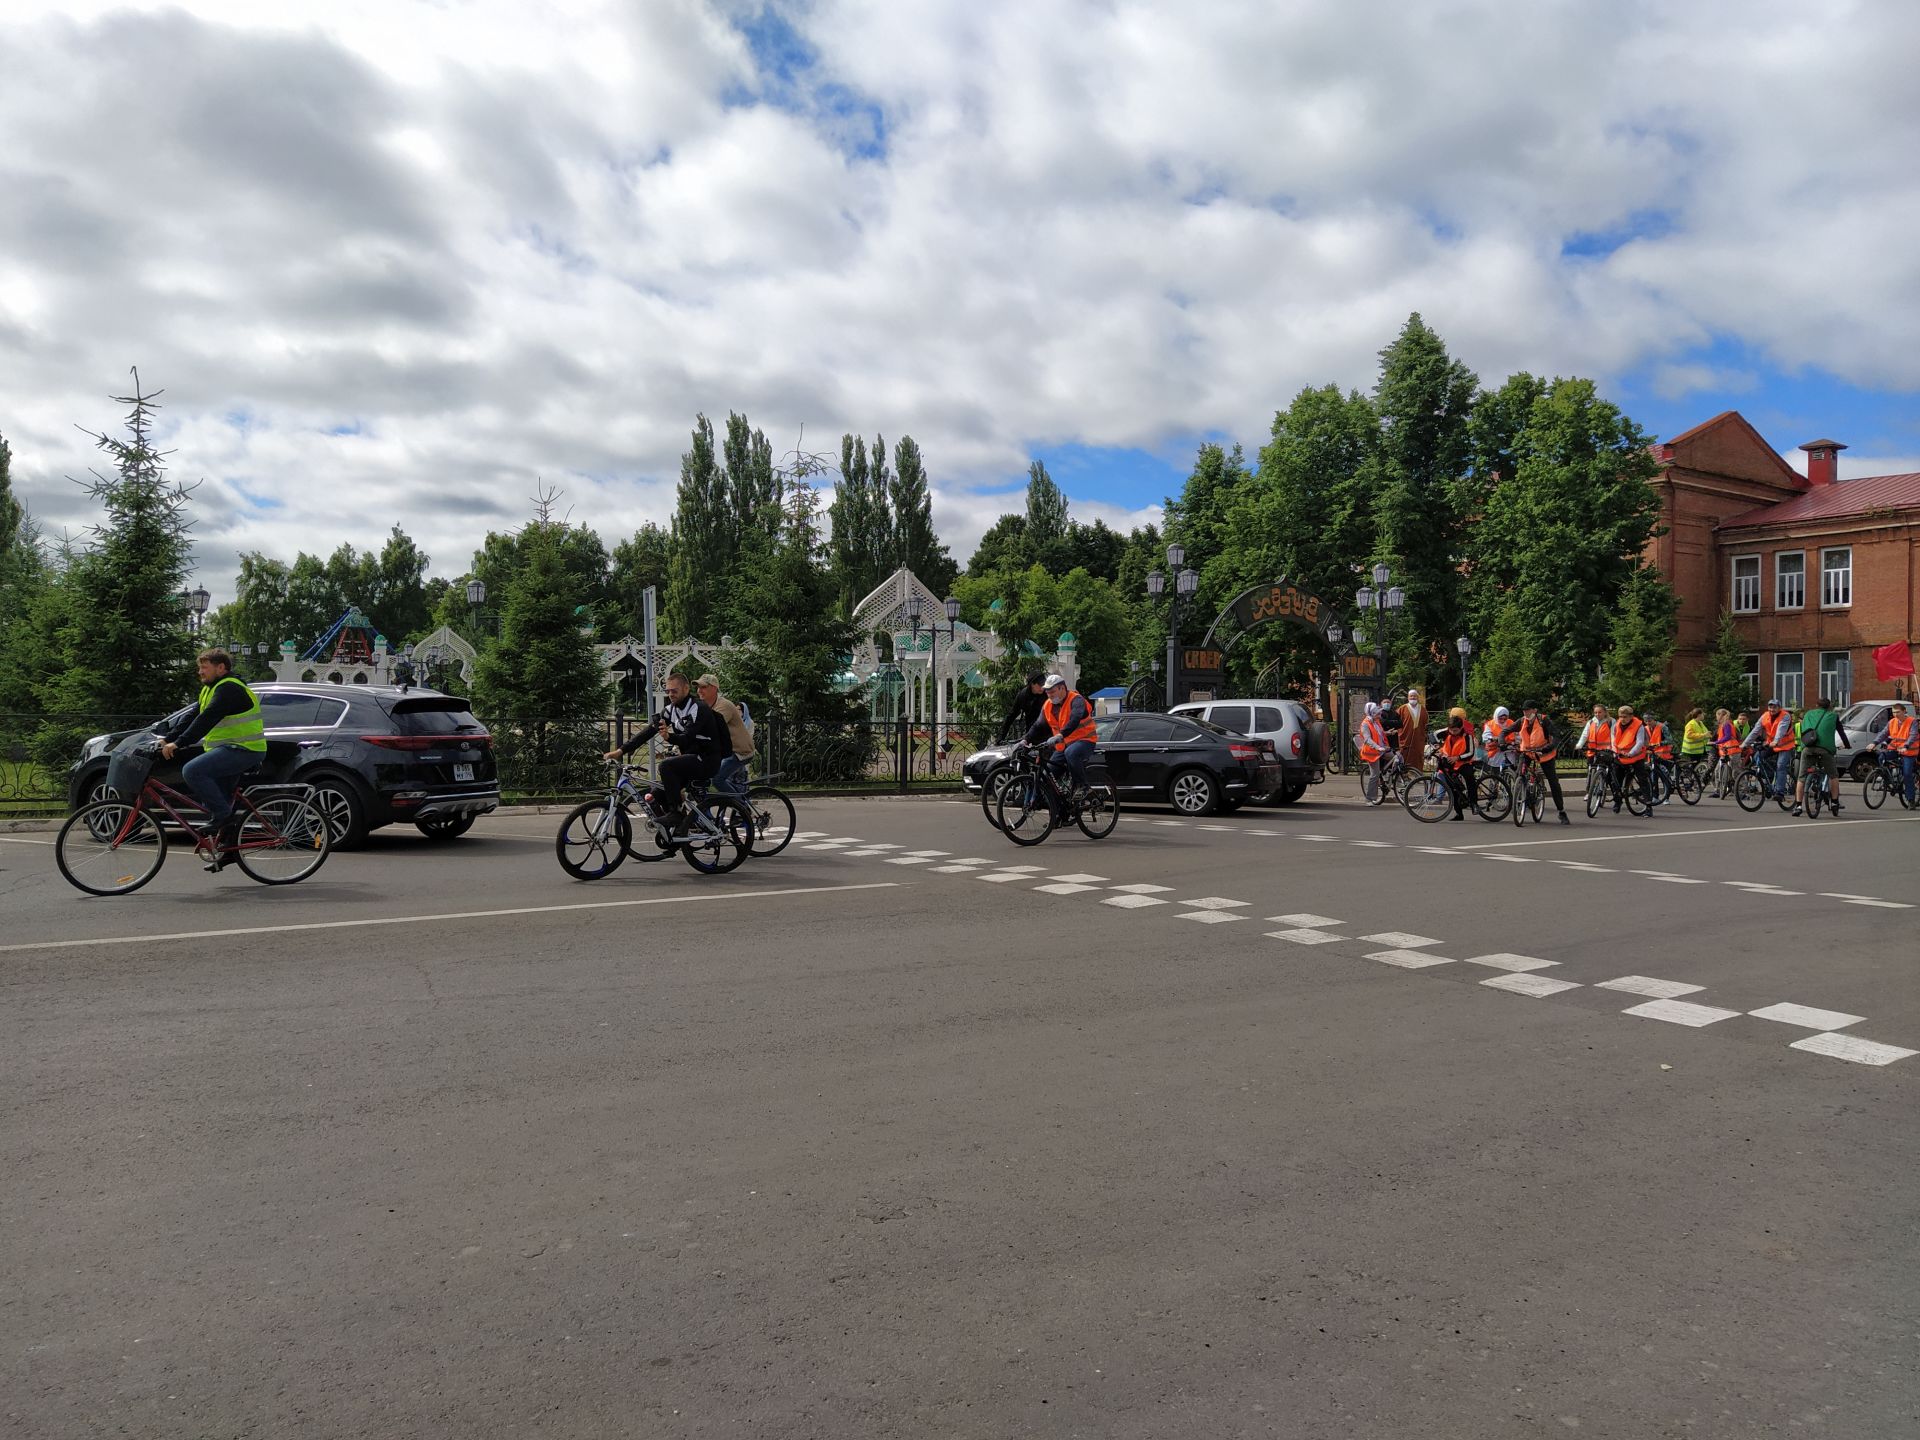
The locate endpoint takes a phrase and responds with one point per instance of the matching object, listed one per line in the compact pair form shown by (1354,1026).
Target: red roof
(1831,502)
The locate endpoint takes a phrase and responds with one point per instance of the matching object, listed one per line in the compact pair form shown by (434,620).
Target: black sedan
(1171,759)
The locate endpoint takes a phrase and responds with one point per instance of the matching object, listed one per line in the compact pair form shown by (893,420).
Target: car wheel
(445,827)
(1289,792)
(1861,768)
(346,812)
(1193,793)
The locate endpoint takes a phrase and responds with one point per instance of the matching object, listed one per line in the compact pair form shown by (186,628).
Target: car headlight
(94,746)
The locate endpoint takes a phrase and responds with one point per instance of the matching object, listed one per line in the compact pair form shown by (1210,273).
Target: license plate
(463,772)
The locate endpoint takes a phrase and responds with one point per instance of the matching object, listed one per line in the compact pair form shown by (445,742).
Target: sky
(409,261)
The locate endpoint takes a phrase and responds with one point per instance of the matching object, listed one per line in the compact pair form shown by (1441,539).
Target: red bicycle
(113,846)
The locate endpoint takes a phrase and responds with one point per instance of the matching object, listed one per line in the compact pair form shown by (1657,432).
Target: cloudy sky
(399,260)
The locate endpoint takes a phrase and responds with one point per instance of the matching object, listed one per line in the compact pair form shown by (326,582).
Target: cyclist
(1026,708)
(1903,739)
(1660,746)
(233,735)
(697,733)
(1537,739)
(1772,736)
(732,775)
(1630,753)
(1819,728)
(1596,736)
(1067,719)
(1373,749)
(1695,738)
(1726,744)
(1497,735)
(1456,760)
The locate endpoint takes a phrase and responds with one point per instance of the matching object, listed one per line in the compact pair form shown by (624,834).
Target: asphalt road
(863,1142)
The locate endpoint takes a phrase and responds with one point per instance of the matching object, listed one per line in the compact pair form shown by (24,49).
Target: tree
(542,687)
(752,485)
(1508,669)
(123,646)
(1423,399)
(915,544)
(703,538)
(1636,667)
(862,519)
(24,579)
(1721,681)
(1046,511)
(644,558)
(1004,547)
(1095,548)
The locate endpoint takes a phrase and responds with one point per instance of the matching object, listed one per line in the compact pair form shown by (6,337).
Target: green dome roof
(1067,642)
(998,607)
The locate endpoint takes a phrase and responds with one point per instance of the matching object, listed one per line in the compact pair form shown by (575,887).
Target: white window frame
(1839,688)
(1793,696)
(1738,561)
(1779,577)
(1750,672)
(1827,602)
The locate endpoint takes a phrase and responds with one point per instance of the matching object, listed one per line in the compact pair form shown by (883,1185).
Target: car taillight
(1296,742)
(404,742)
(1242,751)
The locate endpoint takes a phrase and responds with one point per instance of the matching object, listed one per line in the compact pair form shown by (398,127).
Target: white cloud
(495,242)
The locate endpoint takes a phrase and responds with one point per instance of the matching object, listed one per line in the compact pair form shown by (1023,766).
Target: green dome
(998,607)
(1067,642)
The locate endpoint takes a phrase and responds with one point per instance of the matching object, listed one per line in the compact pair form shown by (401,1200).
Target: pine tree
(123,645)
(1636,666)
(24,578)
(915,542)
(1507,669)
(1721,681)
(703,538)
(1046,512)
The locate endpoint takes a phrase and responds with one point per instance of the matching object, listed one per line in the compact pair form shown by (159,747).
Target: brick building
(1817,571)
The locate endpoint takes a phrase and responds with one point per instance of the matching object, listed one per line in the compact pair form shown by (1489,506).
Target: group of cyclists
(1639,759)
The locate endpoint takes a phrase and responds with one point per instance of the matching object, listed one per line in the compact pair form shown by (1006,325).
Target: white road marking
(1538,986)
(1322,839)
(972,860)
(1838,895)
(1678,834)
(1215,902)
(1441,850)
(810,835)
(1516,963)
(869,850)
(953,870)
(1210,917)
(1302,936)
(1852,1047)
(1131,902)
(1658,873)
(1065,889)
(1081,879)
(1002,877)
(1143,889)
(1680,1012)
(1229,828)
(1023,869)
(1582,865)
(908,860)
(22,840)
(1807,1016)
(1400,939)
(1676,880)
(1647,985)
(1305,920)
(1754,887)
(1879,904)
(448,915)
(930,854)
(1175,823)
(1513,859)
(1409,959)
(1270,834)
(1374,844)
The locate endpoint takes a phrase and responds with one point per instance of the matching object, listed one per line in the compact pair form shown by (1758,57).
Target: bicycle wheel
(1689,786)
(1493,796)
(1635,798)
(284,841)
(1874,790)
(1427,798)
(108,848)
(719,836)
(1099,811)
(1596,790)
(1749,791)
(990,794)
(773,820)
(646,841)
(593,840)
(1522,800)
(1023,813)
(1659,786)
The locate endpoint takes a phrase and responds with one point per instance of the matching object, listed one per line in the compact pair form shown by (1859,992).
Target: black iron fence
(543,758)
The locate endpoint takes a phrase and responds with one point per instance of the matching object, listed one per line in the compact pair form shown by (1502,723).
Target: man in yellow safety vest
(232,731)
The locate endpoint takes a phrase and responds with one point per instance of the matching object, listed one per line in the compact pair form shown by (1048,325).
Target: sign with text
(1277,602)
(1360,667)
(1196,662)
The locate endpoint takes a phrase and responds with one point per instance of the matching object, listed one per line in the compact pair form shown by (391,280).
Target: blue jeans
(1781,762)
(1906,771)
(732,776)
(211,776)
(1075,757)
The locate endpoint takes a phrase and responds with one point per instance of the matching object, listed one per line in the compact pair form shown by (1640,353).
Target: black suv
(375,755)
(1176,760)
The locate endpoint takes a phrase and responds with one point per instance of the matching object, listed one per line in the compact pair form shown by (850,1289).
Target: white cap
(1053,680)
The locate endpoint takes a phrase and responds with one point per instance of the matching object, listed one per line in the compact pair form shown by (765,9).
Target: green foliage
(915,545)
(25,579)
(1507,669)
(862,520)
(644,558)
(1046,510)
(1636,665)
(122,644)
(1721,680)
(703,538)
(1003,548)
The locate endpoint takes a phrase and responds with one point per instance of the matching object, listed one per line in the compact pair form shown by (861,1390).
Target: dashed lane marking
(1676,880)
(1210,917)
(1215,902)
(1513,963)
(1879,904)
(1679,834)
(1852,1047)
(1131,902)
(908,860)
(1064,889)
(1081,879)
(1143,889)
(446,915)
(1409,959)
(1807,1017)
(1647,985)
(23,840)
(1305,920)
(1538,986)
(1304,936)
(1002,877)
(1400,939)
(1511,859)
(1374,844)
(1681,1012)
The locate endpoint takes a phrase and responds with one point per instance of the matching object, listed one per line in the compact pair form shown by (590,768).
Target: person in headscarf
(1373,749)
(1496,735)
(1413,730)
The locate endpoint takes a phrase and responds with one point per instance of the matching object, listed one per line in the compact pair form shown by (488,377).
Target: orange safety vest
(1626,739)
(1536,739)
(1662,740)
(1599,737)
(1728,742)
(1456,748)
(1903,736)
(1056,718)
(1373,739)
(1779,731)
(1501,730)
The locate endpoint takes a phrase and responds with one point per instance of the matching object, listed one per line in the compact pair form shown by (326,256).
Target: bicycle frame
(164,795)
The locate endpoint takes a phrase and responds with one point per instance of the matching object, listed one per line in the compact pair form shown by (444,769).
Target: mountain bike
(1755,783)
(1690,778)
(1032,802)
(1817,790)
(1887,776)
(772,811)
(114,846)
(1609,780)
(1426,795)
(715,835)
(1529,790)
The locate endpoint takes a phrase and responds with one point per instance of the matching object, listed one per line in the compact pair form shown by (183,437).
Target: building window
(1790,580)
(1836,577)
(1746,584)
(1790,680)
(1750,676)
(1836,677)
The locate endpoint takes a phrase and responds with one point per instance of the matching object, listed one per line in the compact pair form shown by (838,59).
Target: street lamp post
(1465,646)
(476,597)
(1383,599)
(937,704)
(195,602)
(1185,582)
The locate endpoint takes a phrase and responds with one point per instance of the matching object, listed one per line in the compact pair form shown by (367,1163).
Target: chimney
(1823,461)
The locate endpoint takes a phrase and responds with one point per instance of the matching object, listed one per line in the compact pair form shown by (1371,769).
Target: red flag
(1890,662)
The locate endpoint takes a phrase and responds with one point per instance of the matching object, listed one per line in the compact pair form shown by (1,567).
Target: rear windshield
(435,715)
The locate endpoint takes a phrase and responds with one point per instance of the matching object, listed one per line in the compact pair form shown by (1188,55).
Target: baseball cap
(709,679)
(1053,680)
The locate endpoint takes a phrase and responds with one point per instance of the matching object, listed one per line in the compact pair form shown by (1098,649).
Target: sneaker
(1563,818)
(1795,811)
(1459,817)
